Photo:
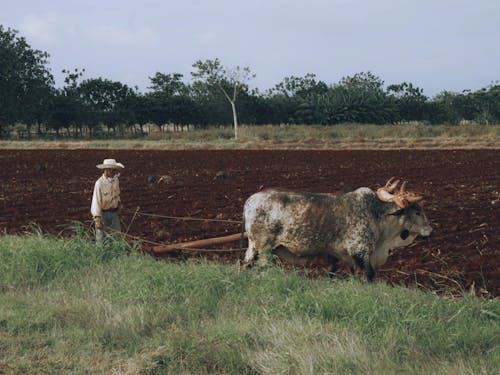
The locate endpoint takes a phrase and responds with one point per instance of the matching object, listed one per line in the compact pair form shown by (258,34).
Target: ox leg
(250,254)
(363,262)
(258,252)
(333,262)
(265,255)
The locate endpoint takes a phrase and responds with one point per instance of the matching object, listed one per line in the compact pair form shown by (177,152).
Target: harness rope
(185,218)
(136,213)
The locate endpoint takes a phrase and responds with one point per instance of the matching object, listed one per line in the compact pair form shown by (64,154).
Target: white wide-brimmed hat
(110,164)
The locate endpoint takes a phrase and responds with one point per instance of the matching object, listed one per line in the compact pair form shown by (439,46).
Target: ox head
(408,210)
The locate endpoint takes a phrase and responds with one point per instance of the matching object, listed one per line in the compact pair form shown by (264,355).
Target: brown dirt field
(462,190)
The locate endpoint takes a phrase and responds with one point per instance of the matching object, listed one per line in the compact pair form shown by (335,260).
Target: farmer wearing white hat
(106,199)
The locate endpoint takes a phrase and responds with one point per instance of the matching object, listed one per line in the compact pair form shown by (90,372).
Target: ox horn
(407,196)
(390,186)
(414,199)
(402,188)
(402,198)
(384,195)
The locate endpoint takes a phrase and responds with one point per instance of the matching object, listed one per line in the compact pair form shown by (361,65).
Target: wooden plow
(162,249)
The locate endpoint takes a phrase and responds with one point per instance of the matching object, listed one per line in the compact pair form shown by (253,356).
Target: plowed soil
(462,191)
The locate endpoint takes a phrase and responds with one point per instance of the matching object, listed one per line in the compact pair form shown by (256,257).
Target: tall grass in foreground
(69,307)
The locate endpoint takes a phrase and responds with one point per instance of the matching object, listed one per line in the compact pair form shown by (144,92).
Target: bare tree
(229,81)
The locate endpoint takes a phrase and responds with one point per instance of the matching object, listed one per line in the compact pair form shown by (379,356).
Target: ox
(358,228)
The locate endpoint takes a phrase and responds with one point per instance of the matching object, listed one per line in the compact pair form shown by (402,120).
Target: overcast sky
(435,44)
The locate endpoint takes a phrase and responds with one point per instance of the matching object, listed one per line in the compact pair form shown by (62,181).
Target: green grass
(359,136)
(69,307)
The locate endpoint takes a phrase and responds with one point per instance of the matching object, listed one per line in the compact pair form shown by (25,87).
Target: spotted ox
(358,228)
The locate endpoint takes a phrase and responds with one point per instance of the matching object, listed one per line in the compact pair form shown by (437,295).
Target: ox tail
(242,234)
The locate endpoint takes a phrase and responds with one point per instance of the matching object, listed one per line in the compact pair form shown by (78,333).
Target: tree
(299,93)
(170,100)
(106,101)
(68,110)
(444,108)
(168,84)
(300,86)
(365,82)
(485,103)
(26,84)
(62,114)
(411,101)
(357,99)
(229,81)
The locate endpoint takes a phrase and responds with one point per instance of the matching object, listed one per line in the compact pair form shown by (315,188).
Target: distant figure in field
(106,199)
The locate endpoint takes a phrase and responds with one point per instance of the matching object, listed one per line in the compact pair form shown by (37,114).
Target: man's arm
(95,208)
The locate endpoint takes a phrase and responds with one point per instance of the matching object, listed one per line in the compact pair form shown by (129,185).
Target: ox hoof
(245,265)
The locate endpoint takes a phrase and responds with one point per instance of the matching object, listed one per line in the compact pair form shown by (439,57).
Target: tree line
(216,95)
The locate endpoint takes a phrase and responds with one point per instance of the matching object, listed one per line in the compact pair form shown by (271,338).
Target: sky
(437,45)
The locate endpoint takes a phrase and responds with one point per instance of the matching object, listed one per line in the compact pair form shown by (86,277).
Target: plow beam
(160,249)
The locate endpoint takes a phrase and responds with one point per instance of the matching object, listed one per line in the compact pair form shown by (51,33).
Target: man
(106,199)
